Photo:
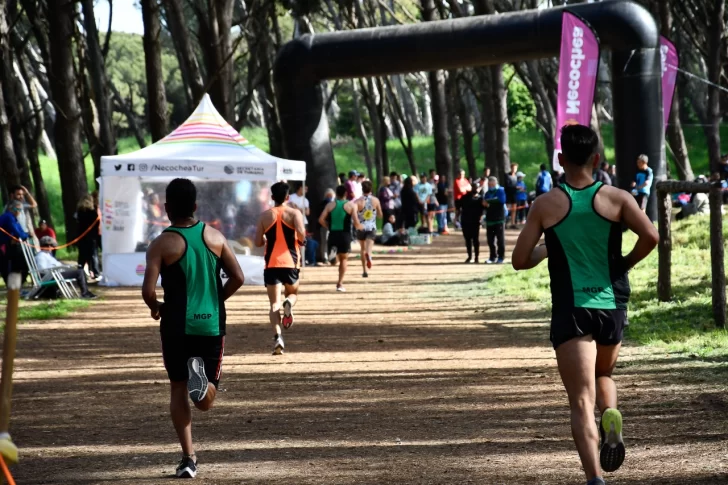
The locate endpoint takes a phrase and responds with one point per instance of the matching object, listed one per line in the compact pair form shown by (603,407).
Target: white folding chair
(47,277)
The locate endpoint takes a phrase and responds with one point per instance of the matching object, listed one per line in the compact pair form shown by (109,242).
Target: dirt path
(401,380)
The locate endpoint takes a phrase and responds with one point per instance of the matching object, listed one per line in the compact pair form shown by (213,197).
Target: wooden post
(664,282)
(716,256)
(6,379)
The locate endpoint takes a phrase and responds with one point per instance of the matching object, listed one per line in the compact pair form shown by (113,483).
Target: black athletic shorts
(280,276)
(178,349)
(341,240)
(364,235)
(433,207)
(606,326)
(642,200)
(511,193)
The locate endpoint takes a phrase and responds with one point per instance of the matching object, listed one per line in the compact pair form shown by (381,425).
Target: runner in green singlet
(582,223)
(190,257)
(338,217)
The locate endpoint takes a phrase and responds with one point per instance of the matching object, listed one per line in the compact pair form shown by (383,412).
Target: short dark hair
(14,188)
(605,165)
(542,167)
(366,187)
(341,191)
(279,191)
(578,143)
(181,196)
(393,174)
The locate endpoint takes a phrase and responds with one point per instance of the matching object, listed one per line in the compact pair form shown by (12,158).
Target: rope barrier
(6,471)
(41,248)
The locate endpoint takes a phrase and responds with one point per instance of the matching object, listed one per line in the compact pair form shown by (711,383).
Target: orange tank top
(281,249)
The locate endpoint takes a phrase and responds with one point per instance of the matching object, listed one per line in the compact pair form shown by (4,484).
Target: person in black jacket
(472,211)
(410,204)
(88,224)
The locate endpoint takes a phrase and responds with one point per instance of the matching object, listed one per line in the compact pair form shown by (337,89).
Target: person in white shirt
(300,202)
(45,260)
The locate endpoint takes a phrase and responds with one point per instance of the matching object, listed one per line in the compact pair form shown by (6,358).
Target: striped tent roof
(205,127)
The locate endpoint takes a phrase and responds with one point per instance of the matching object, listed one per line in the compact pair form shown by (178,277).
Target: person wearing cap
(351,185)
(521,198)
(44,230)
(45,260)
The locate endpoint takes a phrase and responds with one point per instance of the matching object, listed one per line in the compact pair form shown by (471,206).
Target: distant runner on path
(582,221)
(282,232)
(370,209)
(190,256)
(338,217)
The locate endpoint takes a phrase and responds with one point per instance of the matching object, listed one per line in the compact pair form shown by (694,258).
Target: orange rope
(6,471)
(56,247)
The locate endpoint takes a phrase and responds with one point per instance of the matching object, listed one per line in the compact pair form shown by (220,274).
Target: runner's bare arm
(526,254)
(259,234)
(323,219)
(638,222)
(352,210)
(378,207)
(234,272)
(151,274)
(300,228)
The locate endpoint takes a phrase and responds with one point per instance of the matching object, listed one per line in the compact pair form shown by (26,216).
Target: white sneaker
(278,346)
(490,261)
(341,289)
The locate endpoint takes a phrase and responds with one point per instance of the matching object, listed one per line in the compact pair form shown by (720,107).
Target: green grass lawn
(44,310)
(683,325)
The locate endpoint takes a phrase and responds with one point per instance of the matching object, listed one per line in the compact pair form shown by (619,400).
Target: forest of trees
(69,87)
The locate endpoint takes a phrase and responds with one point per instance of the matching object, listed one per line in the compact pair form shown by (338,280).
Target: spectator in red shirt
(44,230)
(461,187)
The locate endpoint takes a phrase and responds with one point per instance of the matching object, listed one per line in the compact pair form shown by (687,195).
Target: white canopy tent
(232,176)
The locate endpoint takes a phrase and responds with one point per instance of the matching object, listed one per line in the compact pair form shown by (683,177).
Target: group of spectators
(17,228)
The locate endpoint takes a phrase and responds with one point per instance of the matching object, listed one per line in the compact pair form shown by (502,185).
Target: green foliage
(521,108)
(45,310)
(684,324)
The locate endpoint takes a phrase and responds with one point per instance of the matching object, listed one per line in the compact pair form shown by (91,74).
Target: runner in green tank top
(582,223)
(338,216)
(190,256)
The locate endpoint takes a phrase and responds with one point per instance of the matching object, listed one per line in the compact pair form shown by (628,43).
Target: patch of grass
(45,310)
(683,325)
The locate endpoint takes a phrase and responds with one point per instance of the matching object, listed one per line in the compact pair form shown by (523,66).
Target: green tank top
(340,219)
(193,302)
(585,256)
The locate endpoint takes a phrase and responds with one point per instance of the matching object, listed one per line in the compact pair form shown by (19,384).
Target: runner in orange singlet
(282,232)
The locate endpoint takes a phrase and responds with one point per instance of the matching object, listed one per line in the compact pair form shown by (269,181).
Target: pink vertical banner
(670,63)
(578,69)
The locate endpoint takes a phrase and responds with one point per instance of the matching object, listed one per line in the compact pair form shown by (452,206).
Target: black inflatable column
(638,125)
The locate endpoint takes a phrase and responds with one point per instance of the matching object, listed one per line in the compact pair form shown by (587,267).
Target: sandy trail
(402,379)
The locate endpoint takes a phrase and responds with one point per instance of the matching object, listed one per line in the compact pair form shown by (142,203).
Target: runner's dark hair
(279,191)
(181,197)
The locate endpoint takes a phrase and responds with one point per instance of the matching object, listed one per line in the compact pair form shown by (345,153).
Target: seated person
(699,203)
(44,260)
(391,238)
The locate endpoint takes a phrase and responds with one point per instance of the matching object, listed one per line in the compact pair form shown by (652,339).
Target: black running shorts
(280,276)
(364,235)
(605,326)
(178,349)
(511,194)
(341,240)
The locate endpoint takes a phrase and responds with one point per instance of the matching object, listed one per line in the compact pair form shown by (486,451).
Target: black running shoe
(197,381)
(611,451)
(187,468)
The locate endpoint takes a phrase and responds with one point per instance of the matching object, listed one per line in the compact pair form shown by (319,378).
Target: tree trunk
(383,130)
(178,29)
(215,42)
(67,127)
(468,127)
(675,135)
(130,116)
(452,124)
(443,162)
(715,42)
(500,104)
(380,146)
(100,93)
(398,114)
(261,42)
(361,131)
(155,78)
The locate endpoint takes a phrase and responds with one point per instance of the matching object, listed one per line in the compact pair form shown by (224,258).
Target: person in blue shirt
(494,201)
(521,198)
(11,254)
(544,182)
(642,182)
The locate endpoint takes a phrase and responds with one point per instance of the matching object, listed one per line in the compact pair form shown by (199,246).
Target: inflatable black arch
(623,26)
